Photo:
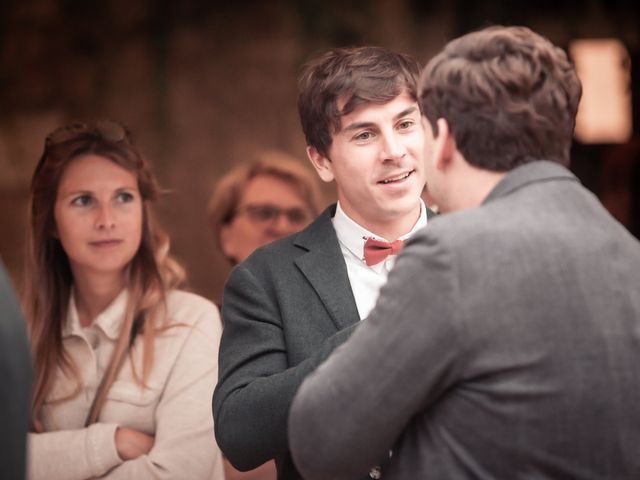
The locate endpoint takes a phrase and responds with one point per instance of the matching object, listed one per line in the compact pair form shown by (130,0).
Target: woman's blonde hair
(48,278)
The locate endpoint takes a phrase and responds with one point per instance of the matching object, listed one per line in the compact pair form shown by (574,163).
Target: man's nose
(394,148)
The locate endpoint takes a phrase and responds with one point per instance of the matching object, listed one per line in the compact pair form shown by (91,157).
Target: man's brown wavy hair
(508,94)
(352,76)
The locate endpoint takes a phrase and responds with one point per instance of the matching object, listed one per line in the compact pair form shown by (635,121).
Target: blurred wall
(203,87)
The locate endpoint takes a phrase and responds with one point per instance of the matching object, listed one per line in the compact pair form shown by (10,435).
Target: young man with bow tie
(292,302)
(505,344)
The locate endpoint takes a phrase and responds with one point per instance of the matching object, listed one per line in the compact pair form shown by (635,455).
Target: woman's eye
(81,201)
(124,197)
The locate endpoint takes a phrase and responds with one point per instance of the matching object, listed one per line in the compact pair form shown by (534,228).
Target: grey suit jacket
(284,310)
(15,384)
(505,345)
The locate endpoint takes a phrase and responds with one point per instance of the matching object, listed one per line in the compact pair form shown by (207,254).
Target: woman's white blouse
(175,407)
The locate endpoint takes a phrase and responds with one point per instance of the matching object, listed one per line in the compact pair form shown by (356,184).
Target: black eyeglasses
(107,129)
(266,213)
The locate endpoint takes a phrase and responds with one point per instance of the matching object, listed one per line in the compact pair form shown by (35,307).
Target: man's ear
(226,242)
(444,145)
(322,164)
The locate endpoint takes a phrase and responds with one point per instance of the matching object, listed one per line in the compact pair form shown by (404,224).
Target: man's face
(270,208)
(376,160)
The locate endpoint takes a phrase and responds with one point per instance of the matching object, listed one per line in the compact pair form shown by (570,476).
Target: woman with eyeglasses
(124,363)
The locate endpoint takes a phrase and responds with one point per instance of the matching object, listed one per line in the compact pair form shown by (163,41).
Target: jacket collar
(320,233)
(109,321)
(324,267)
(532,172)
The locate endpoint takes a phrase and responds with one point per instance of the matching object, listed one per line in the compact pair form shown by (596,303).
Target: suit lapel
(324,267)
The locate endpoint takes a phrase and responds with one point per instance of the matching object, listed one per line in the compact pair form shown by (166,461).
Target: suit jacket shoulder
(285,308)
(528,306)
(15,369)
(306,267)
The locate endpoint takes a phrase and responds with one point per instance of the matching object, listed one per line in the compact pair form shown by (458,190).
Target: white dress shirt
(365,280)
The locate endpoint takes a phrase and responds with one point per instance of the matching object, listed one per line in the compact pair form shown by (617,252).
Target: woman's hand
(131,444)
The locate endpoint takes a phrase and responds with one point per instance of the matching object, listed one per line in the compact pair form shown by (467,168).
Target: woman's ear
(322,164)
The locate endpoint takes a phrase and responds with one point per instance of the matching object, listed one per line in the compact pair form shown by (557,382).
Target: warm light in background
(604,67)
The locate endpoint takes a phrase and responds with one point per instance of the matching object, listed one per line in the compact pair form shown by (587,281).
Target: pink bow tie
(375,251)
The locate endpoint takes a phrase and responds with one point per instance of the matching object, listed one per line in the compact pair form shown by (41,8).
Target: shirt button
(376,472)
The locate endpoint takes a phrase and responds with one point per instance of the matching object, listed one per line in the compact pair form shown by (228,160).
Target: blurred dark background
(203,87)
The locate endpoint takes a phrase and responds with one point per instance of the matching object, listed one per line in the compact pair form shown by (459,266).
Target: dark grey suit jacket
(285,309)
(15,384)
(505,345)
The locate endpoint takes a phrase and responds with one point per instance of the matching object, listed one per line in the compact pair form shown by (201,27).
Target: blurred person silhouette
(15,381)
(262,201)
(506,341)
(124,362)
(252,205)
(289,304)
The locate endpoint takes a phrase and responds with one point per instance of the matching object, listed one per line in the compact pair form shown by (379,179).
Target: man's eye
(81,201)
(261,213)
(364,136)
(405,124)
(264,213)
(297,216)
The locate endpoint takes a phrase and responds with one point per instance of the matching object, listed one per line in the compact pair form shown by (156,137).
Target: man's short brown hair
(509,95)
(355,76)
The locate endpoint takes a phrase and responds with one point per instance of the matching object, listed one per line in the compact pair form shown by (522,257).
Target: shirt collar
(109,321)
(352,235)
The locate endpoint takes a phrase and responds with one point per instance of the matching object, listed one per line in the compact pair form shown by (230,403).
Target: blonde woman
(124,363)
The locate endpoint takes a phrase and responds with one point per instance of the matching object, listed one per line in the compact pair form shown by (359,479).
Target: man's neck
(471,188)
(393,228)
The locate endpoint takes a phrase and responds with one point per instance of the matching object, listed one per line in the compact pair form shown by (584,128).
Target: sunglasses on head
(108,130)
